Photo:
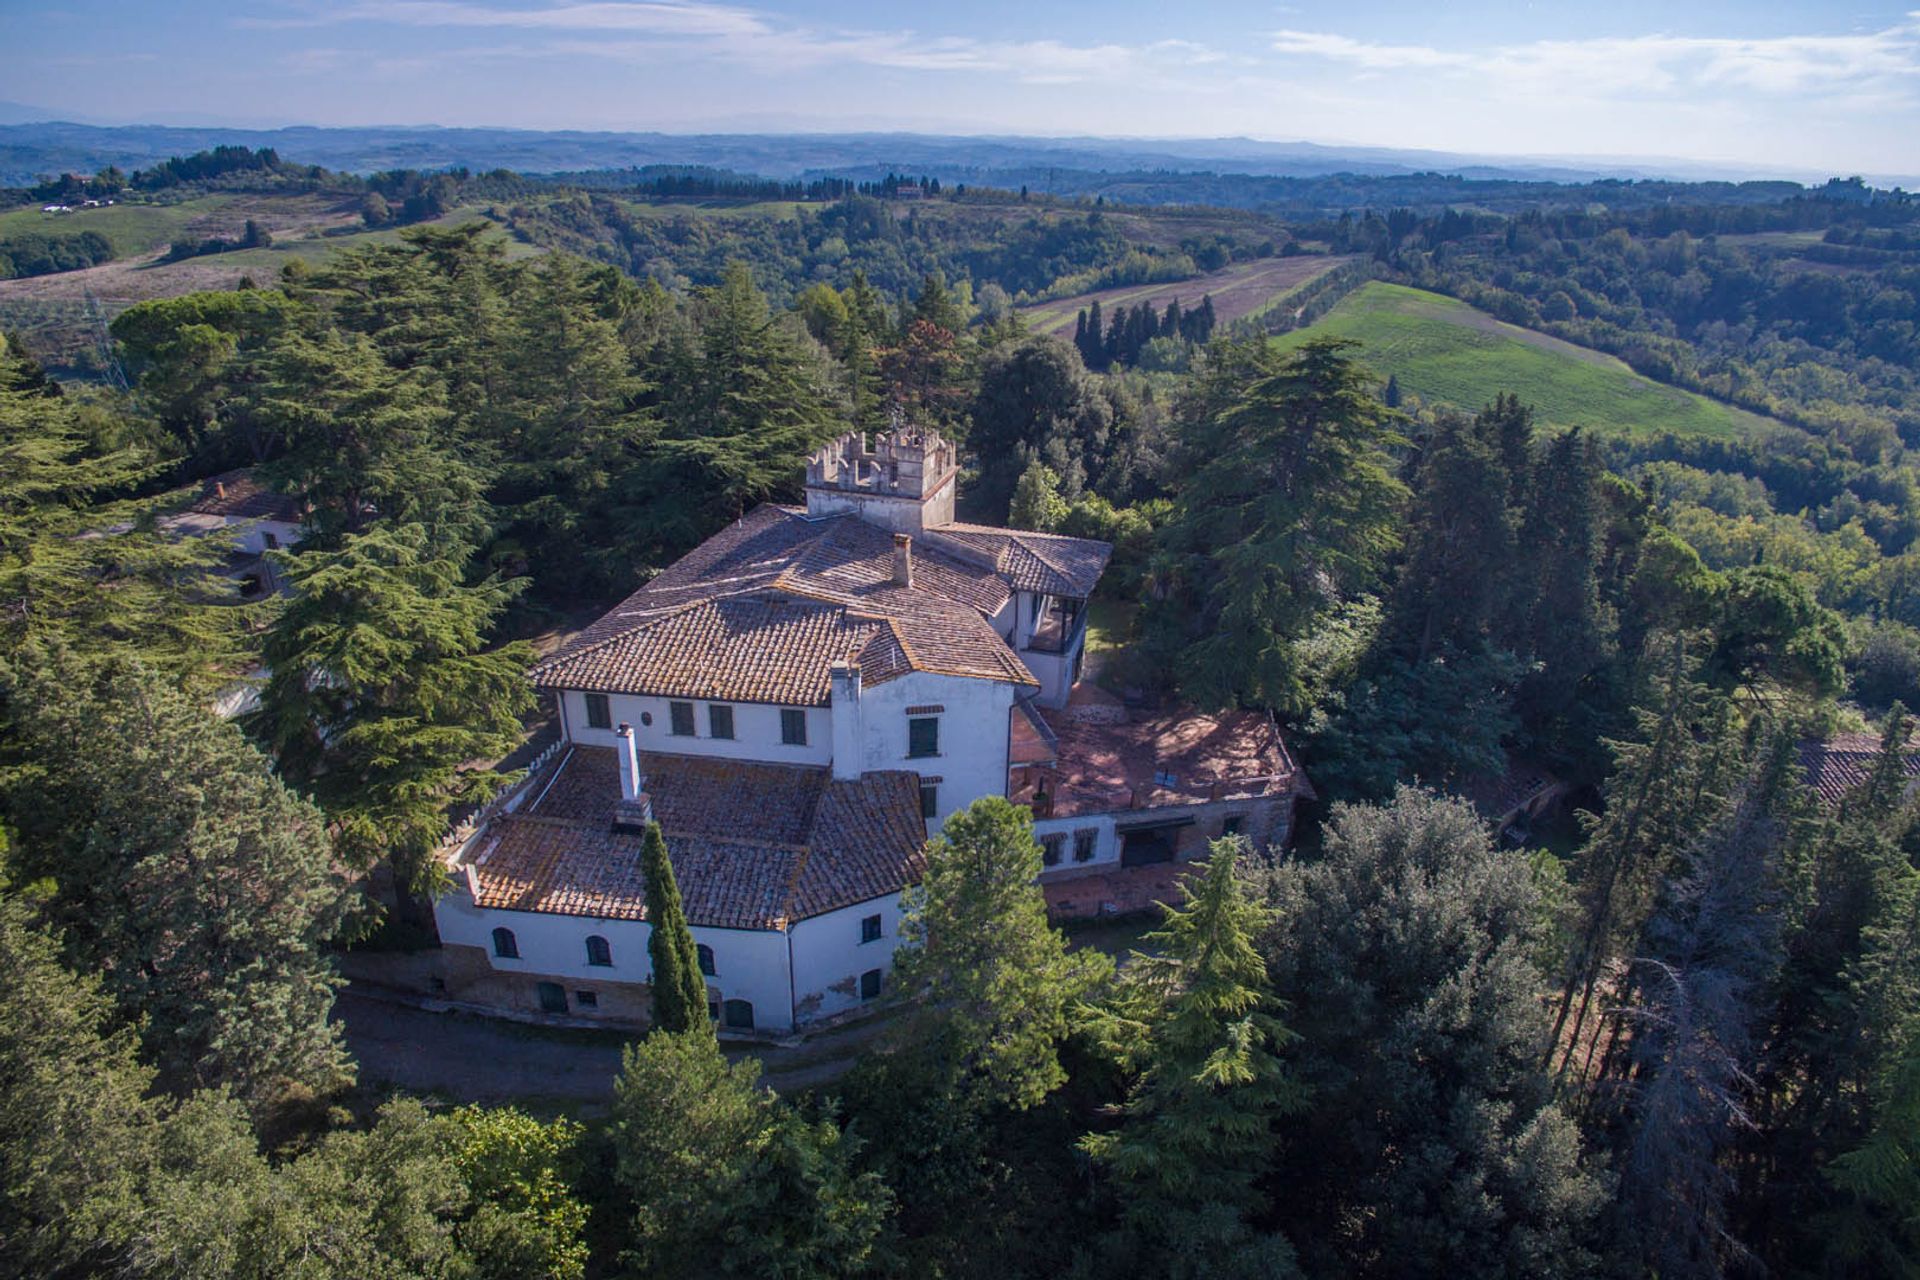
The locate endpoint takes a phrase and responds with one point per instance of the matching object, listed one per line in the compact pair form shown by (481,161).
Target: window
(870,929)
(1083,842)
(929,800)
(793,727)
(599,714)
(1050,849)
(598,952)
(504,945)
(587,999)
(1231,826)
(272,540)
(737,1014)
(923,737)
(719,721)
(553,997)
(713,1008)
(870,984)
(705,954)
(681,715)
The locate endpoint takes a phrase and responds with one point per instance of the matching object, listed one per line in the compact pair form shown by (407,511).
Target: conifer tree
(994,980)
(180,870)
(1703,963)
(679,992)
(384,691)
(1196,1027)
(1291,502)
(1093,352)
(74,1125)
(365,442)
(1668,783)
(82,562)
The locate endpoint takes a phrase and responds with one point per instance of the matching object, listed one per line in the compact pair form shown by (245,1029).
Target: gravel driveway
(474,1059)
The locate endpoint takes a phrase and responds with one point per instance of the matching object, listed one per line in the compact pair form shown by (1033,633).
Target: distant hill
(29,150)
(1448,353)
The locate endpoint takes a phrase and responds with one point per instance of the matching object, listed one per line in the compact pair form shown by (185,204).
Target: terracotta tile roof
(1109,758)
(1498,795)
(754,846)
(1838,765)
(241,495)
(1051,563)
(759,611)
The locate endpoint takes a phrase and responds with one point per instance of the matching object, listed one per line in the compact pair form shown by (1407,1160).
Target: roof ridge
(653,616)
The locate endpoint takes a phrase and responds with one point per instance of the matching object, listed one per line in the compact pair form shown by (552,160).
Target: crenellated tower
(901,480)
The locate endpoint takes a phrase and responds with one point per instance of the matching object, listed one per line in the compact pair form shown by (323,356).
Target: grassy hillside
(130,228)
(59,316)
(1241,290)
(1446,352)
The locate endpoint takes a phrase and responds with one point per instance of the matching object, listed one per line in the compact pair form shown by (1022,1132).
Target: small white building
(260,520)
(799,702)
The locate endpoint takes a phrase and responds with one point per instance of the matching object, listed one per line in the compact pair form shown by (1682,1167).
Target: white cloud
(1650,64)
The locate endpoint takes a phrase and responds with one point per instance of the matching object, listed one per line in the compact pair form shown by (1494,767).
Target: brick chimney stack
(902,560)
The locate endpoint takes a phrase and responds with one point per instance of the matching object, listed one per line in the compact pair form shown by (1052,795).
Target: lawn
(1446,352)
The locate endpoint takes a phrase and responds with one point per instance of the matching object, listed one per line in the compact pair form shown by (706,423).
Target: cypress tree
(1092,352)
(679,995)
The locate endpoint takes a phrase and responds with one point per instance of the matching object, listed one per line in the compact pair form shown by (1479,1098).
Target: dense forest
(1676,1035)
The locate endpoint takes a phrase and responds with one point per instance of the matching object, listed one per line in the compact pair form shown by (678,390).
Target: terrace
(1098,755)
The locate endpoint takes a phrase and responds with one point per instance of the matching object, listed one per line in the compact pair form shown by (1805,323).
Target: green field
(132,229)
(1448,353)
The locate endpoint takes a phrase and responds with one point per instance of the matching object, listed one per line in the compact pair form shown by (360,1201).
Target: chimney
(634,810)
(219,488)
(848,743)
(902,560)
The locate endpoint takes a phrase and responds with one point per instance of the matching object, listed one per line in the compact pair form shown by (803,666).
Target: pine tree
(1195,1027)
(365,442)
(679,991)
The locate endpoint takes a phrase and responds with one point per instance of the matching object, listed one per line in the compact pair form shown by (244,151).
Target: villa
(800,702)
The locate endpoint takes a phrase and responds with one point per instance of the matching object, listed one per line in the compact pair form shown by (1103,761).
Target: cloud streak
(1650,64)
(651,30)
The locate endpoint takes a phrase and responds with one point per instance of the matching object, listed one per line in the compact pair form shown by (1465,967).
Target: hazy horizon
(1776,88)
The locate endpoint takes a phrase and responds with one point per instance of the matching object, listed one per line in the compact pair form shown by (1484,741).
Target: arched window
(598,952)
(705,953)
(504,945)
(738,1014)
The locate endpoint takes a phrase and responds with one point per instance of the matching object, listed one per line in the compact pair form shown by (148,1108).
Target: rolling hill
(1446,352)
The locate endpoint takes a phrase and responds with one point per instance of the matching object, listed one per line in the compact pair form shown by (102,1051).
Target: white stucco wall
(756,729)
(828,957)
(973,734)
(749,964)
(251,535)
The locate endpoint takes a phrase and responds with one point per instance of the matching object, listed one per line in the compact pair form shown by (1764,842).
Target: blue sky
(1831,87)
